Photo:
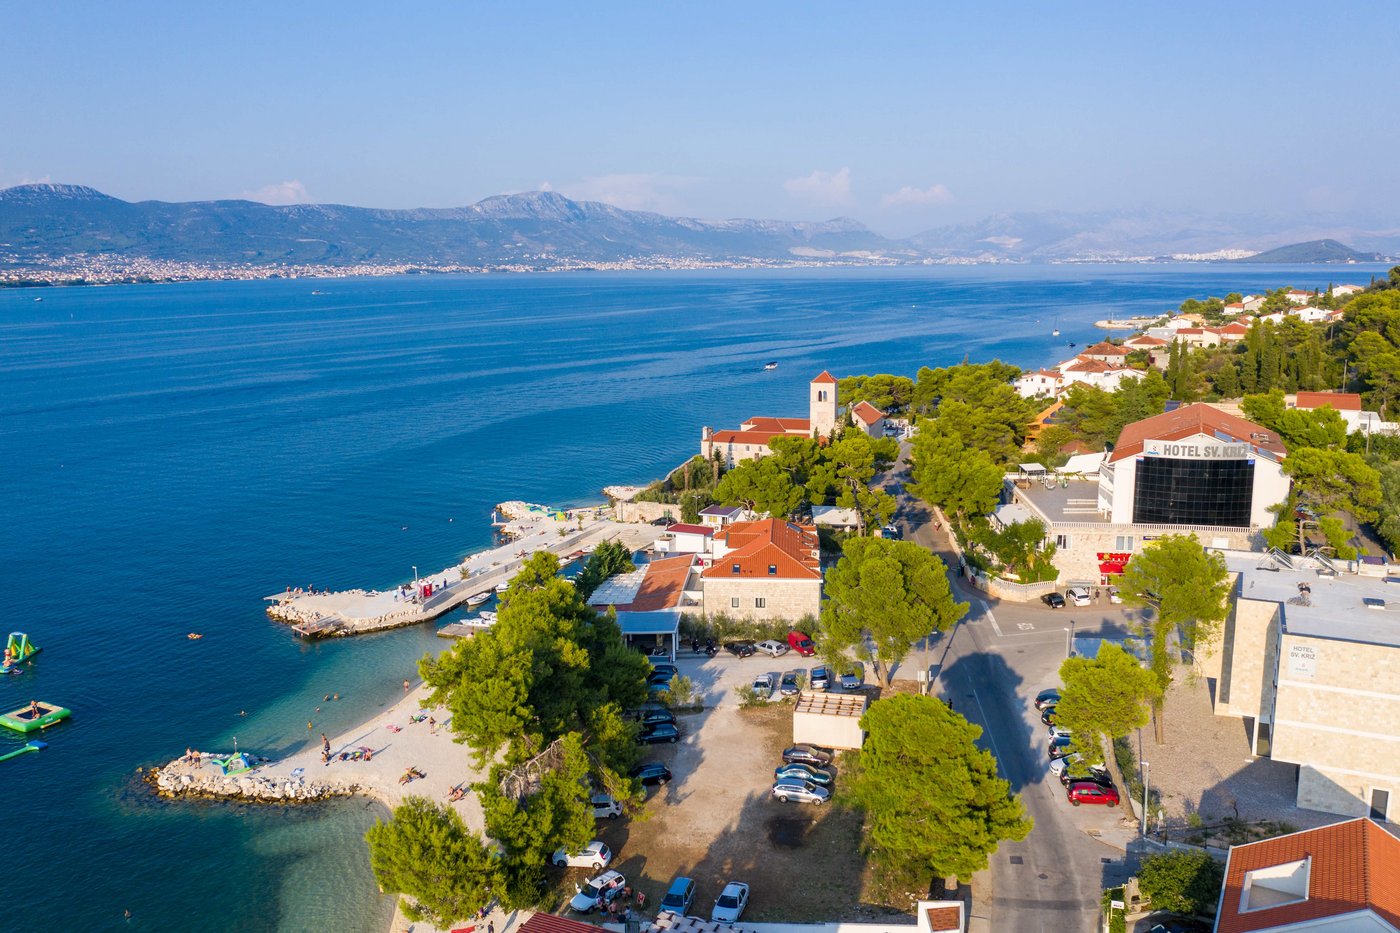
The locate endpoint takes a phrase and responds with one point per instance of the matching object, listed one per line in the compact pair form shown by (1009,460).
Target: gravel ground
(718,822)
(1205,767)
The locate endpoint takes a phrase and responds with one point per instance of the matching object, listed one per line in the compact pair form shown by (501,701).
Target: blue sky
(905,116)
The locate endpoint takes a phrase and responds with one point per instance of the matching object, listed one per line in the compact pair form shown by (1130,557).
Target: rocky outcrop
(181,779)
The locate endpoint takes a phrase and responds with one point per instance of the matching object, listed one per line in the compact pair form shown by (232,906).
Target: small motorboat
(478,599)
(770,366)
(502,587)
(485,617)
(33,717)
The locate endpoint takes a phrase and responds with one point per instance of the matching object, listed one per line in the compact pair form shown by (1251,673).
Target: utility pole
(1144,799)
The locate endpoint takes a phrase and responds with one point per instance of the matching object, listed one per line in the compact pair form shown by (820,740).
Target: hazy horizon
(904,118)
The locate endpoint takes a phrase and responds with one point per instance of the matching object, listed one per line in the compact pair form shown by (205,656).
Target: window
(760,602)
(1193,492)
(772,570)
(733,602)
(821,395)
(1062,542)
(1380,803)
(1123,544)
(734,568)
(1275,885)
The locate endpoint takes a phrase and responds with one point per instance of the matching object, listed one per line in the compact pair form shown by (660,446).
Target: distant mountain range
(41,223)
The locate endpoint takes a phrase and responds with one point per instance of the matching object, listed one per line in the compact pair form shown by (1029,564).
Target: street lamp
(415,576)
(1144,799)
(1069,640)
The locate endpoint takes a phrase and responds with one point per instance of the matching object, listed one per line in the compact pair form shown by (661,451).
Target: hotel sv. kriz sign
(1197,450)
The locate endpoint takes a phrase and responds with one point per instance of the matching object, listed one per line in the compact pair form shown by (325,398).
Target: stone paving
(1205,767)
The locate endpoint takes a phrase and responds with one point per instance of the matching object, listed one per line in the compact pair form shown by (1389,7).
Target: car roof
(680,884)
(606,877)
(735,885)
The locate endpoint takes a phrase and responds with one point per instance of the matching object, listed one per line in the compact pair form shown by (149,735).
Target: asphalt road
(990,667)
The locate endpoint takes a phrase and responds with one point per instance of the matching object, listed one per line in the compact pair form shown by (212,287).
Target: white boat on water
(771,366)
(485,618)
(478,599)
(502,587)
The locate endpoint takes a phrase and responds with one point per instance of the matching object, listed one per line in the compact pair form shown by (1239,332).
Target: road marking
(1025,626)
(987,609)
(987,730)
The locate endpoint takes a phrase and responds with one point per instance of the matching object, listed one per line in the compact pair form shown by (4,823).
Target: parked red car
(1080,792)
(800,643)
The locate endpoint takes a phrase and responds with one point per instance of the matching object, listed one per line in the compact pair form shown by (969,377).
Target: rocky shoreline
(183,779)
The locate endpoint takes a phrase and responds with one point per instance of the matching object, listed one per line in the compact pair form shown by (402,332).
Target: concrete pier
(355,612)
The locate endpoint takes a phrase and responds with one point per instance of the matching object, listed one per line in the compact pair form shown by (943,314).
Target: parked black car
(807,755)
(670,670)
(660,679)
(1100,778)
(1053,600)
(661,732)
(652,717)
(651,772)
(740,649)
(1047,715)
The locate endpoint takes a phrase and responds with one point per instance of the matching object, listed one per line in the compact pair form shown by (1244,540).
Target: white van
(605,806)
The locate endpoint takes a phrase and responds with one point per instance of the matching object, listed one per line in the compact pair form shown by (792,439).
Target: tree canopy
(1326,482)
(1102,698)
(1182,882)
(962,481)
(608,558)
(426,853)
(1187,588)
(933,801)
(893,592)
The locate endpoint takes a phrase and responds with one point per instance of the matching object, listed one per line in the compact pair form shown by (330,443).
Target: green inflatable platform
(33,717)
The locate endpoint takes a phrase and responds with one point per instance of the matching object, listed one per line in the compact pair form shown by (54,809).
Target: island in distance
(41,224)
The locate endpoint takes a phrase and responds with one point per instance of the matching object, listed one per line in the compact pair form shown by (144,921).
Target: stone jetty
(358,611)
(184,778)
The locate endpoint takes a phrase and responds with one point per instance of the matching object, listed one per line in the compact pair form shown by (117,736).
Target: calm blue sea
(171,454)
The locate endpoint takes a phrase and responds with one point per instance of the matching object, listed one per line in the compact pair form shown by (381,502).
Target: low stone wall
(642,513)
(180,778)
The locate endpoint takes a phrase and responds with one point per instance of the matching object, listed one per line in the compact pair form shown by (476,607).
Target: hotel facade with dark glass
(1194,470)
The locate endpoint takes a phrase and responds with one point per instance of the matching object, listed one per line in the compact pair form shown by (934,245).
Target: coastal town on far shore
(1137,602)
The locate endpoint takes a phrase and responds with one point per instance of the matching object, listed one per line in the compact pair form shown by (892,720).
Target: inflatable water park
(18,649)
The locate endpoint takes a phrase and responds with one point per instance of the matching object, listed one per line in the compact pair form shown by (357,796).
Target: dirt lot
(717,821)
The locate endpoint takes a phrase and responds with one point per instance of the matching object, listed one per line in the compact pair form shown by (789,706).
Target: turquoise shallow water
(171,454)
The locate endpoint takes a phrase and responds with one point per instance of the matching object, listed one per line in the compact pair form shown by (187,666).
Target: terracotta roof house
(868,418)
(764,569)
(1144,342)
(1108,352)
(659,584)
(1343,878)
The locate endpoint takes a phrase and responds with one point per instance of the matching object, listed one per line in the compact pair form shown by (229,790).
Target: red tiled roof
(662,587)
(755,546)
(1355,867)
(1190,420)
(761,438)
(549,923)
(825,377)
(1147,341)
(1104,348)
(681,528)
(1190,330)
(777,425)
(1090,366)
(1234,327)
(1341,401)
(942,919)
(866,413)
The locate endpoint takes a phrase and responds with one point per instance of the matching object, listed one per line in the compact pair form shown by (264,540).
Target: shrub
(749,698)
(680,693)
(1182,882)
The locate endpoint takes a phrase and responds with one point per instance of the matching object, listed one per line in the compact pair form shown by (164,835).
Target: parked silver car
(772,648)
(791,790)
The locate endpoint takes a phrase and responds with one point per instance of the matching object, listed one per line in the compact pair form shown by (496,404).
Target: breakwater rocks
(184,778)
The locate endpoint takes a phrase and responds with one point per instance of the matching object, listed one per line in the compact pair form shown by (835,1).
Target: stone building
(768,569)
(1309,660)
(750,441)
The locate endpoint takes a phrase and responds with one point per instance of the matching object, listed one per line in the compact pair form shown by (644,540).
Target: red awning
(1112,566)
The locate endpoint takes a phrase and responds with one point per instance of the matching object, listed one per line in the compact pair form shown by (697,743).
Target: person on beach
(405,685)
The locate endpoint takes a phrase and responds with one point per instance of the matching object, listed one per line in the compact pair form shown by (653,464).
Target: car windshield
(728,900)
(590,890)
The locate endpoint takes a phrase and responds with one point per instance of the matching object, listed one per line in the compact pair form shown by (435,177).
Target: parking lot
(717,821)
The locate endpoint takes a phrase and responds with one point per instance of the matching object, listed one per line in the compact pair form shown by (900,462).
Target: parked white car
(764,684)
(772,648)
(730,904)
(595,855)
(598,891)
(1058,765)
(604,806)
(1078,596)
